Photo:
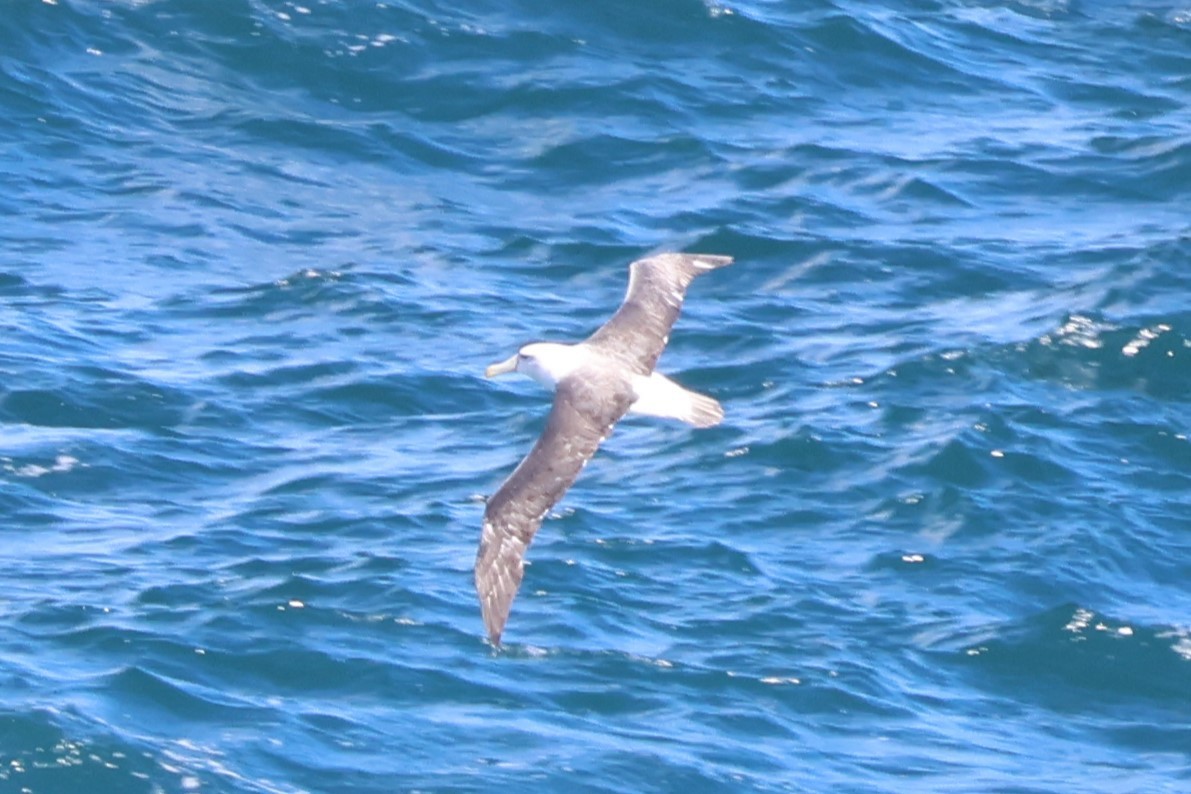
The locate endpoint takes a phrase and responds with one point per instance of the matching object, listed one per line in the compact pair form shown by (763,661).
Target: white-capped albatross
(595,383)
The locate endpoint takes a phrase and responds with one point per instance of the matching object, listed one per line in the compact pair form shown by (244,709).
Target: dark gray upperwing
(586,406)
(637,334)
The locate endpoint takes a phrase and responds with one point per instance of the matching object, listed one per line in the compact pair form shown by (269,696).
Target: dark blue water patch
(155,696)
(576,160)
(877,43)
(1063,658)
(116,402)
(15,285)
(1139,170)
(1087,352)
(44,752)
(384,399)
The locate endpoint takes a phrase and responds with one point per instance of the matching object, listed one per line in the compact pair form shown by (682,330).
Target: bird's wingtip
(494,623)
(711,261)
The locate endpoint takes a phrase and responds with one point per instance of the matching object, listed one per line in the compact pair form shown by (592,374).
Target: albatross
(595,383)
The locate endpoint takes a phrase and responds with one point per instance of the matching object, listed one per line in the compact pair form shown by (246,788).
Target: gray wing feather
(585,409)
(637,334)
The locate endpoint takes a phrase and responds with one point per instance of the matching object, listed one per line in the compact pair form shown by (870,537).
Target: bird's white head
(545,362)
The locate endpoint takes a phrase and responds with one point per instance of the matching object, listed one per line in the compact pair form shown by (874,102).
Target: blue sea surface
(254,258)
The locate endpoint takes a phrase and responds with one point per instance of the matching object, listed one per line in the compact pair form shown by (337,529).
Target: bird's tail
(657,395)
(705,262)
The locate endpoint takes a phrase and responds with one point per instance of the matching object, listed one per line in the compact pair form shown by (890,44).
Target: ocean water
(255,255)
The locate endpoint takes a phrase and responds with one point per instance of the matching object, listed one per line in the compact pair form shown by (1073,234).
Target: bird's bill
(508,365)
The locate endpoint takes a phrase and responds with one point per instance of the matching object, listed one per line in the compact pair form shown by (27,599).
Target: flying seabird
(595,383)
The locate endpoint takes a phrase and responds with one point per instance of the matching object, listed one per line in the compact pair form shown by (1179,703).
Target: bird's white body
(548,363)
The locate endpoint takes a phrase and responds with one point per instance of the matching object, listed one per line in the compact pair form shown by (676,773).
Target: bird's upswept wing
(586,407)
(637,334)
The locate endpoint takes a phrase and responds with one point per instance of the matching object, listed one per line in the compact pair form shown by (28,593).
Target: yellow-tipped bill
(508,365)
